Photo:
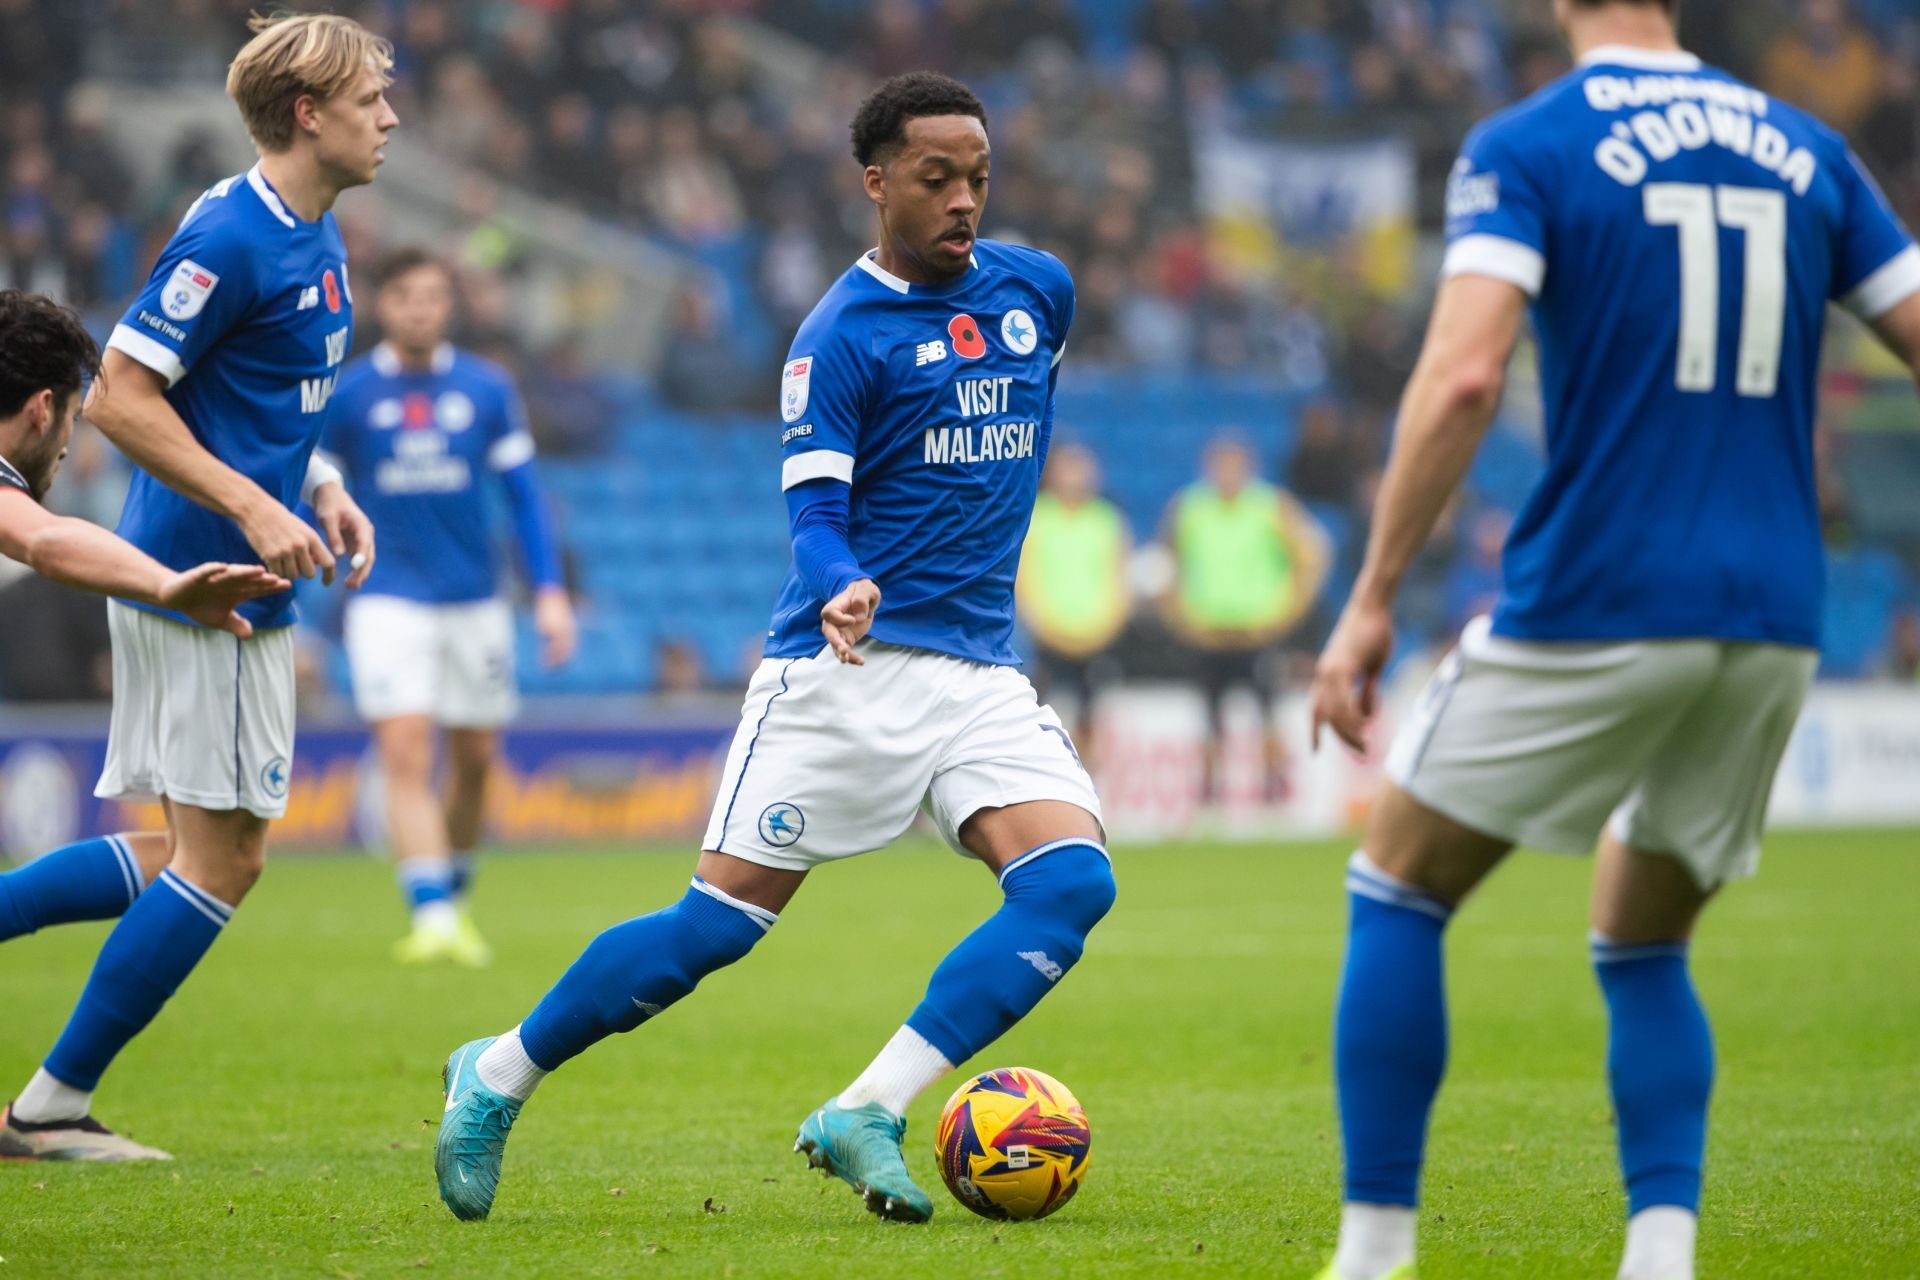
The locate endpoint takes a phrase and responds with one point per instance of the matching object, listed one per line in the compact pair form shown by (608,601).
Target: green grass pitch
(296,1078)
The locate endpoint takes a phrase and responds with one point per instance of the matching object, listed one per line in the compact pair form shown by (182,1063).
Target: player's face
(932,191)
(353,129)
(51,416)
(416,308)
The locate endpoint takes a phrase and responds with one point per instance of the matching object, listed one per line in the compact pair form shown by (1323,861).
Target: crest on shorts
(795,381)
(782,824)
(274,776)
(187,290)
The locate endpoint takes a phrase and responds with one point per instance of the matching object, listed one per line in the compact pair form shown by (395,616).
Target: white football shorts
(200,717)
(831,760)
(1677,741)
(452,662)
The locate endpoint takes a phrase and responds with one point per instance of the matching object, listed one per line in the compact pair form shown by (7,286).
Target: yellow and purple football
(1013,1144)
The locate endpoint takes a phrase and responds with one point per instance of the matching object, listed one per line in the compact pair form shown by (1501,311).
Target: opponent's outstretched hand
(1346,682)
(847,617)
(210,593)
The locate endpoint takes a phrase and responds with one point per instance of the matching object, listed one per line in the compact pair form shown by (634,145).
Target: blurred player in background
(1678,235)
(1074,593)
(915,410)
(215,386)
(45,354)
(415,424)
(1249,562)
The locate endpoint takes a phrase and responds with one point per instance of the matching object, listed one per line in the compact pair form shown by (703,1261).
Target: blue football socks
(146,957)
(425,881)
(461,862)
(1390,1033)
(1660,1066)
(1055,894)
(91,880)
(634,970)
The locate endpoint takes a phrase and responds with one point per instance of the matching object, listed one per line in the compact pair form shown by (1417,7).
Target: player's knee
(1074,884)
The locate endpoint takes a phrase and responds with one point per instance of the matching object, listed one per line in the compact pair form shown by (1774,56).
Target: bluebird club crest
(1017,331)
(782,824)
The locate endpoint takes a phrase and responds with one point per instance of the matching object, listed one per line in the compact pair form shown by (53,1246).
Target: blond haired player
(216,385)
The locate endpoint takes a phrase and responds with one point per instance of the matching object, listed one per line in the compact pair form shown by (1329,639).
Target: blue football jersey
(934,403)
(248,316)
(1680,234)
(415,447)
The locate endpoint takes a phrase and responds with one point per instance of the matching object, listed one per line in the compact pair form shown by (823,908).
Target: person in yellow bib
(1073,594)
(1249,562)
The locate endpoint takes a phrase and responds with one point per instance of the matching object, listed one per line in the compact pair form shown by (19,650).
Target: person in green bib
(1249,562)
(1073,593)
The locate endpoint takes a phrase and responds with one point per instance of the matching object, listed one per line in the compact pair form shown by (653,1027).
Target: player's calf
(94,879)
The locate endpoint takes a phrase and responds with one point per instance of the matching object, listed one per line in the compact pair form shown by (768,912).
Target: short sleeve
(824,390)
(1496,214)
(512,440)
(1062,293)
(200,290)
(1875,264)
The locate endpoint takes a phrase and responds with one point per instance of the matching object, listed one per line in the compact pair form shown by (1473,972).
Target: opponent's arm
(79,554)
(128,407)
(822,556)
(1449,404)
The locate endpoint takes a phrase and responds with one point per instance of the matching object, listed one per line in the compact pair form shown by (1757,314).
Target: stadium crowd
(665,120)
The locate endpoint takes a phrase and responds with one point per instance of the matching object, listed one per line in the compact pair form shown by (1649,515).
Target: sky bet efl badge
(187,292)
(794,381)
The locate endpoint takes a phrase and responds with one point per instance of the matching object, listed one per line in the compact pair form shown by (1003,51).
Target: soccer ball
(1013,1144)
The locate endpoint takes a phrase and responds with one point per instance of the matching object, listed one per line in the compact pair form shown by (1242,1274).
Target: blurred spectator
(1903,649)
(1473,583)
(571,411)
(701,368)
(1249,564)
(55,646)
(1826,63)
(1073,592)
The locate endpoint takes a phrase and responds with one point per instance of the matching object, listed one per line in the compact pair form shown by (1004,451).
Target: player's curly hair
(880,125)
(43,346)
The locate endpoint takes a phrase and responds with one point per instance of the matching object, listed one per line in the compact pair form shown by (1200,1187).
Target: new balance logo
(1039,960)
(929,353)
(309,298)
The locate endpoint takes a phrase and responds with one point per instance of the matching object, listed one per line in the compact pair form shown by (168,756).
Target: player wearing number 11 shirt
(1678,236)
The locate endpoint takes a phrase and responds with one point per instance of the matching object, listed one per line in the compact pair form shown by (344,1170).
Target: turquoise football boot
(1402,1272)
(473,1135)
(861,1147)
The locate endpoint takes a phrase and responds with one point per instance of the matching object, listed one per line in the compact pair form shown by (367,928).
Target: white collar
(869,262)
(269,197)
(14,472)
(1627,55)
(386,360)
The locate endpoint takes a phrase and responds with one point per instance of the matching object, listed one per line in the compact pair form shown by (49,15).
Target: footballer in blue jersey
(914,413)
(1677,236)
(215,385)
(422,430)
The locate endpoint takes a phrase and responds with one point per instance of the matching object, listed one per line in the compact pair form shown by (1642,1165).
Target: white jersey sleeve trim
(320,471)
(1497,256)
(1888,287)
(816,464)
(510,451)
(157,356)
(1058,356)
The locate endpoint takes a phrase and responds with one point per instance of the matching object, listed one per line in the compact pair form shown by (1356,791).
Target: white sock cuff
(209,906)
(48,1097)
(504,1067)
(1365,878)
(434,867)
(904,1069)
(759,915)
